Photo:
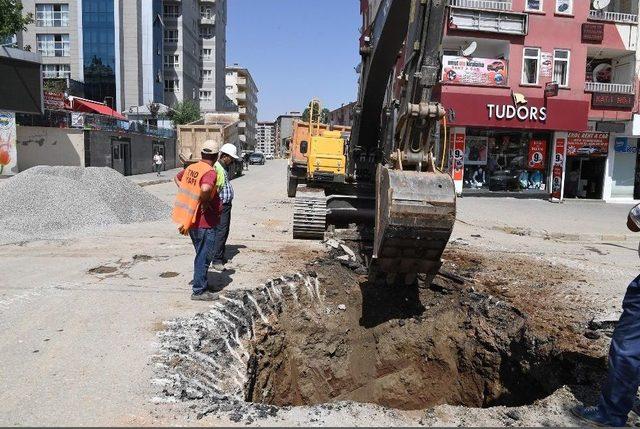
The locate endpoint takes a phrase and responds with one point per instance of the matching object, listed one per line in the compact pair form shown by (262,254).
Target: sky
(296,50)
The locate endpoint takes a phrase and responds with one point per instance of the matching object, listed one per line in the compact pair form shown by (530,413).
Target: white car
(268,156)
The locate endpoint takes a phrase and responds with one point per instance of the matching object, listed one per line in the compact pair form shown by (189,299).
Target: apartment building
(343,115)
(213,23)
(266,138)
(242,93)
(284,131)
(548,112)
(130,52)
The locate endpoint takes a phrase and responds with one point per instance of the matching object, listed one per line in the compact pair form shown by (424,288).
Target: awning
(83,105)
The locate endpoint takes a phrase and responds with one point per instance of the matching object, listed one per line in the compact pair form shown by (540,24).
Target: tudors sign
(522,113)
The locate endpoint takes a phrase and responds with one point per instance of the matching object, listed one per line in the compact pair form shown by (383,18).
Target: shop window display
(506,160)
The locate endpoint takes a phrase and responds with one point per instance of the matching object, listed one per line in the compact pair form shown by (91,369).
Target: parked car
(269,156)
(256,158)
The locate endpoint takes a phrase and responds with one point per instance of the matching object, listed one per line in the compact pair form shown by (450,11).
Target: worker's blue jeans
(203,241)
(621,385)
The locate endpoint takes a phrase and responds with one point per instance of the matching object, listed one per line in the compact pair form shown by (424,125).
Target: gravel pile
(49,202)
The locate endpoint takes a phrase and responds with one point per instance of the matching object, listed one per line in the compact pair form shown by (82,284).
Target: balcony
(609,88)
(208,20)
(485,20)
(617,17)
(483,4)
(242,81)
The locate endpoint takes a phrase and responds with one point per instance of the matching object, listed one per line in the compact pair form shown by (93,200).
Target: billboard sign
(8,151)
(458,70)
(537,154)
(588,144)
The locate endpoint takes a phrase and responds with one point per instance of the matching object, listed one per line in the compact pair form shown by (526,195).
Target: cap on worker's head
(210,147)
(230,149)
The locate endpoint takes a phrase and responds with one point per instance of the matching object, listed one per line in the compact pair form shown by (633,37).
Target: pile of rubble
(50,202)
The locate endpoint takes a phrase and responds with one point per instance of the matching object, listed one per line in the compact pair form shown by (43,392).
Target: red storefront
(509,142)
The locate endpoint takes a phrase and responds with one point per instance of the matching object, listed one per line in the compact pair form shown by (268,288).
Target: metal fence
(609,88)
(601,15)
(88,121)
(483,4)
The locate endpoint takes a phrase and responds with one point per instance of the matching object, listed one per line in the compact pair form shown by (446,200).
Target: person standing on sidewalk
(623,378)
(158,160)
(197,213)
(228,157)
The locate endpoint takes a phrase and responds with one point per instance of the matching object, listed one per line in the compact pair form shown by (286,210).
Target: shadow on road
(219,281)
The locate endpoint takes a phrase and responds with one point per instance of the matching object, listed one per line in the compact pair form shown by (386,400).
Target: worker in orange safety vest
(197,213)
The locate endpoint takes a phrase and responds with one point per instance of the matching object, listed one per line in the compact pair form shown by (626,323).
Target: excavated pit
(331,336)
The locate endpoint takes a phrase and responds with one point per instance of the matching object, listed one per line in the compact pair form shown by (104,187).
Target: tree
(185,112)
(12,21)
(324,114)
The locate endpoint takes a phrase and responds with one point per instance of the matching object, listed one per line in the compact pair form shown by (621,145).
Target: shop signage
(53,100)
(546,64)
(592,33)
(458,157)
(551,89)
(587,144)
(537,154)
(474,71)
(8,149)
(622,146)
(558,167)
(77,120)
(616,101)
(476,149)
(522,113)
(610,127)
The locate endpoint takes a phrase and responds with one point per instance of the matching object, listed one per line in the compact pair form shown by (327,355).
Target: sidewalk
(572,220)
(149,179)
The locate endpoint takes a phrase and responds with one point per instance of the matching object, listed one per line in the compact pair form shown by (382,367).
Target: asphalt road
(76,345)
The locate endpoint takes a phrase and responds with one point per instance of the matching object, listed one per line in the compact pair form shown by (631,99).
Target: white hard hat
(230,149)
(210,147)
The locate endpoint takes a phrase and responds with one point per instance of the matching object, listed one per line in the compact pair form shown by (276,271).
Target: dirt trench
(488,331)
(409,348)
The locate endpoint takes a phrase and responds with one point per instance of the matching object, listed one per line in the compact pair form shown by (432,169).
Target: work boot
(218,266)
(592,416)
(206,296)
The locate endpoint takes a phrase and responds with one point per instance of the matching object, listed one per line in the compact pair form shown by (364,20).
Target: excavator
(394,180)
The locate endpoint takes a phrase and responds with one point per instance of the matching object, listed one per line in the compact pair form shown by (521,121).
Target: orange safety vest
(187,202)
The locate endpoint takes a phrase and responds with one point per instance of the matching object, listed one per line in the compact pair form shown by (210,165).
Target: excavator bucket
(415,213)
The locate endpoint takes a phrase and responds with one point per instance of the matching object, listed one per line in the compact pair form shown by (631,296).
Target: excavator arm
(393,139)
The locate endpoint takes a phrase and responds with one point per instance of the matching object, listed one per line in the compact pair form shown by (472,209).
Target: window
(207,75)
(530,66)
(206,32)
(534,5)
(171,61)
(170,36)
(171,85)
(561,67)
(60,71)
(206,54)
(171,11)
(229,87)
(564,7)
(53,45)
(52,15)
(205,12)
(205,95)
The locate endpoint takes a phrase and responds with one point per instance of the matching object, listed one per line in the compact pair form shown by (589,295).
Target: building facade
(284,131)
(132,52)
(242,94)
(342,115)
(266,138)
(540,112)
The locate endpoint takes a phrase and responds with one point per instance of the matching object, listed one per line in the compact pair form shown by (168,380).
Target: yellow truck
(326,161)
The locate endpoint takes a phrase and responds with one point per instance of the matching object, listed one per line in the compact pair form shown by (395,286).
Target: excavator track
(415,214)
(309,213)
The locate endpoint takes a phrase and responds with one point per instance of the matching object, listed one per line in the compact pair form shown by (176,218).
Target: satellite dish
(469,50)
(600,4)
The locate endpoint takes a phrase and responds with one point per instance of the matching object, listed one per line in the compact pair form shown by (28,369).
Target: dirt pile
(48,202)
(331,336)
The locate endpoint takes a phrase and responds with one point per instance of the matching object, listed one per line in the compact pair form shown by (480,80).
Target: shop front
(586,165)
(507,145)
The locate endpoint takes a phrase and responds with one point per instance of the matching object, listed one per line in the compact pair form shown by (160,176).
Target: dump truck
(299,150)
(222,130)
